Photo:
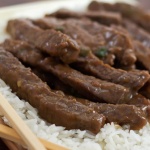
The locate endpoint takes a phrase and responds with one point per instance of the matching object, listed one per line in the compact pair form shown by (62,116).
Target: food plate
(36,10)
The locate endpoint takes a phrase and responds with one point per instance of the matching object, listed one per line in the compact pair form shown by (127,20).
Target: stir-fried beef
(91,87)
(145,90)
(144,104)
(141,48)
(121,114)
(54,107)
(137,33)
(101,40)
(142,54)
(90,65)
(50,41)
(131,12)
(114,41)
(138,100)
(90,43)
(75,32)
(93,66)
(55,83)
(102,17)
(88,86)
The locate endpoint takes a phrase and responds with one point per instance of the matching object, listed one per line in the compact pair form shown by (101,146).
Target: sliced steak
(50,41)
(75,32)
(142,54)
(55,108)
(121,114)
(89,65)
(93,66)
(137,33)
(104,42)
(143,103)
(91,87)
(142,51)
(134,13)
(145,90)
(103,17)
(55,83)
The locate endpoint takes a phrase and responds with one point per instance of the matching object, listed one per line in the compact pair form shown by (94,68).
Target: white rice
(110,137)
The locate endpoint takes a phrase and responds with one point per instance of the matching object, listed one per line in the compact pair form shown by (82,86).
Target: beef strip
(103,41)
(115,42)
(50,41)
(55,108)
(91,42)
(75,32)
(88,86)
(145,90)
(142,54)
(55,83)
(91,87)
(137,33)
(142,51)
(122,114)
(143,103)
(131,12)
(93,66)
(89,64)
(103,17)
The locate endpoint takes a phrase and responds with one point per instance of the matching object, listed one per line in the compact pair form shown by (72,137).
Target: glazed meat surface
(82,83)
(102,17)
(55,108)
(121,114)
(131,12)
(90,64)
(104,42)
(137,33)
(51,41)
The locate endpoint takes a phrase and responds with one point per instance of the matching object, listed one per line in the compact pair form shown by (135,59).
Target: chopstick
(11,145)
(21,128)
(11,135)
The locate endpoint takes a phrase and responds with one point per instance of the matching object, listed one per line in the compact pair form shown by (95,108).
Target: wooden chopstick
(18,124)
(11,135)
(11,145)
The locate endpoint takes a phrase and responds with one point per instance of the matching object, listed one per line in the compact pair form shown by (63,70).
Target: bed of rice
(110,137)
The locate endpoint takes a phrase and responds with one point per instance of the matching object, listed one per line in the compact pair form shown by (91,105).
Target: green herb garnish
(101,52)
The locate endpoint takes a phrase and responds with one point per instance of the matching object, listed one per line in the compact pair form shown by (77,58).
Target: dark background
(143,3)
(13,2)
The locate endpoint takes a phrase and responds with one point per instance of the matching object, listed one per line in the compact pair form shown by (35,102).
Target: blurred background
(144,3)
(13,2)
